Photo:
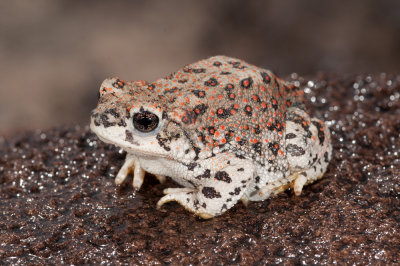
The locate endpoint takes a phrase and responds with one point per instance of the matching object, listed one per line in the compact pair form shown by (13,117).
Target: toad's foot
(295,180)
(177,190)
(187,199)
(298,184)
(161,178)
(131,166)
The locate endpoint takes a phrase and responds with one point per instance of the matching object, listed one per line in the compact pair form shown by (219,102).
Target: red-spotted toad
(223,129)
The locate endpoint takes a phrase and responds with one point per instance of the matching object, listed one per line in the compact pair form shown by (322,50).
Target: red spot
(223,140)
(246,83)
(216,134)
(237,138)
(222,127)
(264,105)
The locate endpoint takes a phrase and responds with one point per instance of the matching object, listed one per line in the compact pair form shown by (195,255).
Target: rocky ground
(59,204)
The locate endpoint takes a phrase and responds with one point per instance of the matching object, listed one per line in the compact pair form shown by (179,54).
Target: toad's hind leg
(308,148)
(222,182)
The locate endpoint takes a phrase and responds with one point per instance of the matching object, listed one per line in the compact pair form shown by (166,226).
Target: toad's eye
(145,121)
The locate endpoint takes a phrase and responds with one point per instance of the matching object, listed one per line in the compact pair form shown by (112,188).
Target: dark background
(54,54)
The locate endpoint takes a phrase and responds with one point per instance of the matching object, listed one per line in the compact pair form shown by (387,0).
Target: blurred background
(54,54)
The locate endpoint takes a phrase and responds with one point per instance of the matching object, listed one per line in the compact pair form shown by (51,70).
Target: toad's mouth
(128,144)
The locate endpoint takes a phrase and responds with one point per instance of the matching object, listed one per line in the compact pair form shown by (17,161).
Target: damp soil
(59,204)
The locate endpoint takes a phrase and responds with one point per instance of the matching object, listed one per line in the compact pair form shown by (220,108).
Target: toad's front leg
(222,182)
(132,166)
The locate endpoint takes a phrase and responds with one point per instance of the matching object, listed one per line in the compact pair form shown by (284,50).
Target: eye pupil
(145,121)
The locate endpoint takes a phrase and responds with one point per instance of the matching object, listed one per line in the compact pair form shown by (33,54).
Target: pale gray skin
(223,129)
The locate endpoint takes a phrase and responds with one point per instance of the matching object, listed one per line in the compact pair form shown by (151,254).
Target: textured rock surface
(59,204)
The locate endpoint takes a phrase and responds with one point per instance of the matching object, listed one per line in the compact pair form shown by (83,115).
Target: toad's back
(233,106)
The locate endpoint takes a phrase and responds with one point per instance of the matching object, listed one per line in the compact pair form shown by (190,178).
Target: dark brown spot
(210,193)
(200,109)
(199,93)
(248,110)
(206,174)
(211,82)
(265,77)
(274,147)
(321,134)
(235,192)
(290,136)
(295,150)
(223,113)
(246,83)
(223,176)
